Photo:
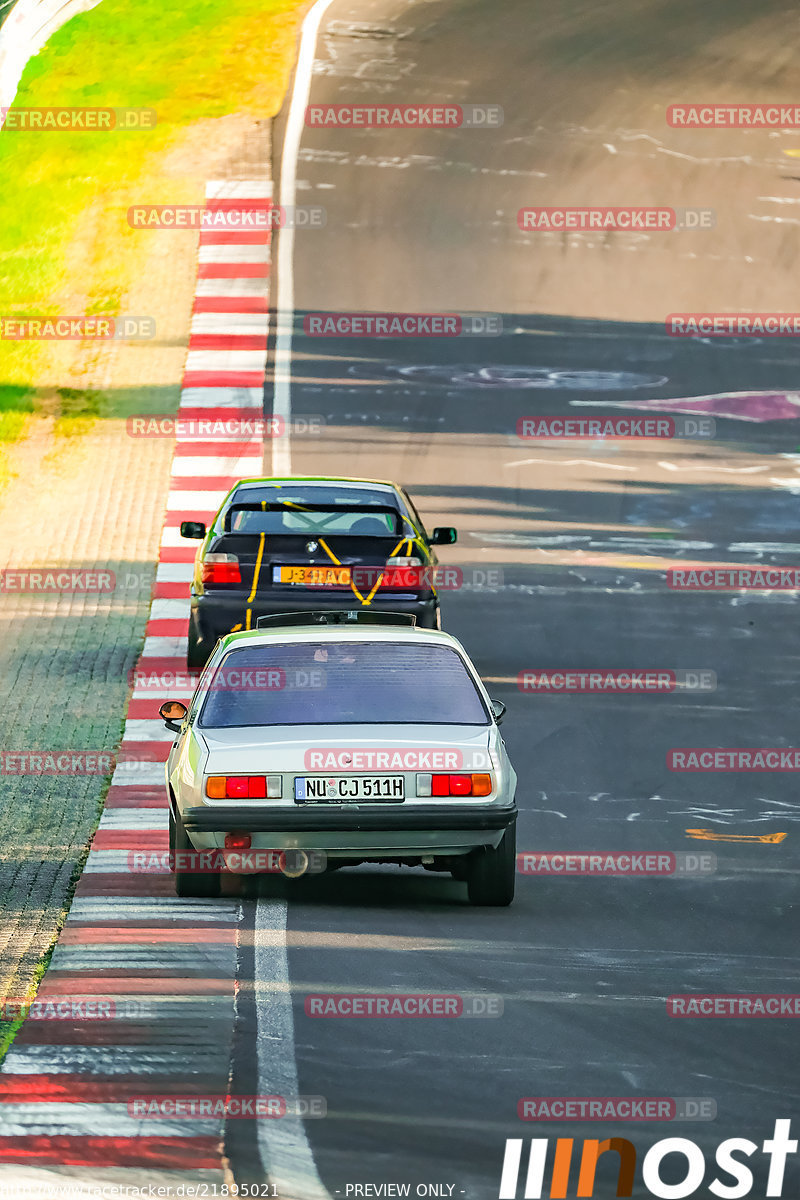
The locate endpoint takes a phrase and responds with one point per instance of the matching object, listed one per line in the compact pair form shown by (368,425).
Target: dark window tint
(360,682)
(314,524)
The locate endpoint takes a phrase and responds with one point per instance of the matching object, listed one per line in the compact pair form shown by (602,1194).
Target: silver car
(341,738)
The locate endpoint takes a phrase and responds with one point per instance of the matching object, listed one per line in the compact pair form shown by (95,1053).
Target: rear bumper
(213,614)
(391,831)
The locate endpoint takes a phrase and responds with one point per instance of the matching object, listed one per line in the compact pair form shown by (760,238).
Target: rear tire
(196,654)
(491,874)
(205,884)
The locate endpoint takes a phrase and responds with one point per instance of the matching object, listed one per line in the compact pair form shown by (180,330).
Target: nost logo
(728,1158)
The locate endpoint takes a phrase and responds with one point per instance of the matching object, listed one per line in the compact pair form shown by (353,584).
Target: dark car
(287,544)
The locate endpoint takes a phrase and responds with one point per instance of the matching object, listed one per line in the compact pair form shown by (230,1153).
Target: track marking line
(282,398)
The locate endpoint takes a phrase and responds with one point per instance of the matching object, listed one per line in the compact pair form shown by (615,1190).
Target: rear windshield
(341,683)
(335,513)
(308,523)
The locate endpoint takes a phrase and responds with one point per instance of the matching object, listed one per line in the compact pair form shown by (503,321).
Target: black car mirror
(193,529)
(172,712)
(444,535)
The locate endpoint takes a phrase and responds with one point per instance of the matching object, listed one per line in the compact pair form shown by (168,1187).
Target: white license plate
(342,789)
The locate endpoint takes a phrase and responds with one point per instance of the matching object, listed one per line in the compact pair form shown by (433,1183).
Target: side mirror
(444,535)
(193,529)
(172,712)
(499,710)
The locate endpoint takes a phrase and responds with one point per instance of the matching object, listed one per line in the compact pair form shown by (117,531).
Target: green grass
(65,195)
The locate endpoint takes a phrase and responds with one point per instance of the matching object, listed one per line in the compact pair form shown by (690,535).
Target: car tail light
(244,787)
(454,785)
(220,568)
(237,841)
(406,574)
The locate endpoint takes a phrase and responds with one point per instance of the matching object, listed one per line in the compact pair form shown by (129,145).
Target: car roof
(318,481)
(340,633)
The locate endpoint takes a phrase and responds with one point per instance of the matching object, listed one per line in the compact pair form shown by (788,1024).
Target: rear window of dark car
(315,523)
(336,505)
(341,683)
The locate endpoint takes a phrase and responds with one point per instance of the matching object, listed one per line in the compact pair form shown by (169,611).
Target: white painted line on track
(282,403)
(284,1148)
(239,189)
(202,501)
(172,608)
(140,729)
(230,286)
(147,908)
(236,252)
(135,774)
(221,397)
(175,572)
(230,323)
(135,818)
(165,647)
(225,360)
(238,468)
(73,1118)
(130,1061)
